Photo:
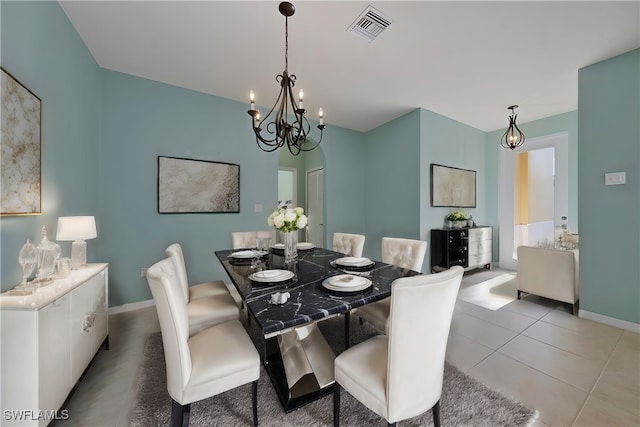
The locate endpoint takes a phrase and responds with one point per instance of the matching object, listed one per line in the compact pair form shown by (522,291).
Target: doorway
(533,195)
(315,206)
(287,186)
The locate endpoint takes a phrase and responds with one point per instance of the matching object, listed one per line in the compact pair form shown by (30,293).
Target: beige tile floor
(572,371)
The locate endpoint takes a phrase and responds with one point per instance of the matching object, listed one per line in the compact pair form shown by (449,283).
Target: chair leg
(336,404)
(347,329)
(361,321)
(392,424)
(186,415)
(254,398)
(179,414)
(436,414)
(519,292)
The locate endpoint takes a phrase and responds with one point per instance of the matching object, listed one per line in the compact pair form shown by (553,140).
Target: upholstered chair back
(174,252)
(174,324)
(405,253)
(420,317)
(348,244)
(248,239)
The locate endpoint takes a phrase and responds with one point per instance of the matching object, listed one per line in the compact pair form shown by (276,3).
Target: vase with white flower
(288,221)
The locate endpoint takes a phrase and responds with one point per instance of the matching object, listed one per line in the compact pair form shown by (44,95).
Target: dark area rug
(464,401)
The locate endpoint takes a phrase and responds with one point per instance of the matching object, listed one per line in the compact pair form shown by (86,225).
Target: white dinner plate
(350,261)
(279,246)
(304,246)
(346,283)
(247,254)
(271,276)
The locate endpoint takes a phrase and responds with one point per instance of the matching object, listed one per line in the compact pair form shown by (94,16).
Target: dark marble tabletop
(309,300)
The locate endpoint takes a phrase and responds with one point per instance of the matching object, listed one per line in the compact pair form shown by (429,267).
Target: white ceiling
(465,60)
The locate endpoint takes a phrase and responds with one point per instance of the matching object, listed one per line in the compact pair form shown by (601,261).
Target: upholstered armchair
(399,376)
(208,305)
(404,253)
(203,364)
(549,273)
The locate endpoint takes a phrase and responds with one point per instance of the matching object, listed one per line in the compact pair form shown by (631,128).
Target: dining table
(286,310)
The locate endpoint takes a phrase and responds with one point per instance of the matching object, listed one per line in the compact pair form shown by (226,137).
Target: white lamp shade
(76,228)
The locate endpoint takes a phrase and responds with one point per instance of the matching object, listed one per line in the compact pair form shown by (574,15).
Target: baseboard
(131,306)
(611,321)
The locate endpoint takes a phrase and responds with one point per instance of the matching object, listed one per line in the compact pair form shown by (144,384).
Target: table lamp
(77,229)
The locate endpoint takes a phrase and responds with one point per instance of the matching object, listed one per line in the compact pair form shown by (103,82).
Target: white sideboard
(47,340)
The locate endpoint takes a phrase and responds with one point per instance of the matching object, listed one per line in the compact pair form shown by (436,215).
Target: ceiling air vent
(370,24)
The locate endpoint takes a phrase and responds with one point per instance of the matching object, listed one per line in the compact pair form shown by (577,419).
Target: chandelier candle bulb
(252,105)
(321,115)
(301,96)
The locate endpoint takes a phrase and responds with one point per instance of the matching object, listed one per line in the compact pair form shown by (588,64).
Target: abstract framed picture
(452,187)
(20,149)
(197,186)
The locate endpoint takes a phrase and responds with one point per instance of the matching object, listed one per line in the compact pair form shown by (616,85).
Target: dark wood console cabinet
(467,247)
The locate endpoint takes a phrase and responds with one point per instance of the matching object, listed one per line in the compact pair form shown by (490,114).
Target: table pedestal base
(300,365)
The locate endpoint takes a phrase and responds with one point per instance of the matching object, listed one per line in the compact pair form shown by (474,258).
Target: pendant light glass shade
(513,137)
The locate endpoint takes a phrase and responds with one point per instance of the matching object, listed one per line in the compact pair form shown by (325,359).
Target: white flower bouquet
(288,219)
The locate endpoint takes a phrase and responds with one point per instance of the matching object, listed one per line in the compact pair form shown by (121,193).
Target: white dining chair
(404,253)
(208,305)
(249,239)
(215,287)
(201,365)
(399,375)
(348,244)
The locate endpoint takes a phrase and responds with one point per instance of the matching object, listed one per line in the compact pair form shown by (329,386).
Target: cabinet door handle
(88,321)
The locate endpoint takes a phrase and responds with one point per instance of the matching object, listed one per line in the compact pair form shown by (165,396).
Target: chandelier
(277,130)
(513,137)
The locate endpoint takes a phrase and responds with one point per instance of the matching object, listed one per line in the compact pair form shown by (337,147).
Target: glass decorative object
(28,259)
(290,240)
(48,253)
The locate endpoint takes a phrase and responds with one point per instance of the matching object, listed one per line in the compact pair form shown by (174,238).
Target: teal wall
(609,127)
(447,142)
(142,120)
(42,50)
(391,163)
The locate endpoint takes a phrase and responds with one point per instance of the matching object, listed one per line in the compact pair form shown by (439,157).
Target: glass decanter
(48,253)
(28,259)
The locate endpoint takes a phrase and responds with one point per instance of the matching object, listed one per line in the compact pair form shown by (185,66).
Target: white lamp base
(78,254)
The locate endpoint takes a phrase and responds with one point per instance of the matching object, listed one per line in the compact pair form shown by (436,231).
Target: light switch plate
(257,208)
(615,178)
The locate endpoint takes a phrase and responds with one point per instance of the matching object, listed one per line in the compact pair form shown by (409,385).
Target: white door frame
(559,141)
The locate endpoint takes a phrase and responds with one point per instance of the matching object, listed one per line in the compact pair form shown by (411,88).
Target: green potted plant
(457,219)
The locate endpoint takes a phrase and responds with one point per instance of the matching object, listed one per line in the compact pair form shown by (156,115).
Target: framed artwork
(452,187)
(197,186)
(20,146)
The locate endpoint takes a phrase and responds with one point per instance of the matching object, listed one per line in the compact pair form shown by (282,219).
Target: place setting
(270,277)
(278,248)
(246,257)
(346,284)
(353,264)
